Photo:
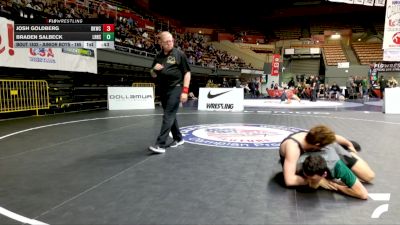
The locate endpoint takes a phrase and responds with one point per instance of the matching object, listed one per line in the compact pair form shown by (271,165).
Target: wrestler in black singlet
(298,143)
(346,157)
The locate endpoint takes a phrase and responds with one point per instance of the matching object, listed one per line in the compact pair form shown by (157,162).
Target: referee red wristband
(185,90)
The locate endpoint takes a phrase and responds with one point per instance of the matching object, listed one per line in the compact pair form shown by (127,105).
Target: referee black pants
(170,100)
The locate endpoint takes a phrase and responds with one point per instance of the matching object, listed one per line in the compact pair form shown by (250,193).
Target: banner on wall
(275,65)
(250,71)
(362,2)
(221,99)
(391,55)
(387,67)
(380,2)
(67,59)
(391,37)
(123,98)
(369,2)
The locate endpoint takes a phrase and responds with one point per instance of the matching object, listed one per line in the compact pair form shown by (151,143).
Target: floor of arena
(94,167)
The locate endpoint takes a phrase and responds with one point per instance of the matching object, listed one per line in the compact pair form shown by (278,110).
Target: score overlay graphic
(52,34)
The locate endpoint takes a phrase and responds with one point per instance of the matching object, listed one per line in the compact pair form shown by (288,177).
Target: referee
(172,71)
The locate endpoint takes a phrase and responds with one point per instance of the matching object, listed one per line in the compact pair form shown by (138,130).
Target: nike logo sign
(216,95)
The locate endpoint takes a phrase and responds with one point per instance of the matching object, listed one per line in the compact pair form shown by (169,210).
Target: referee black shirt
(175,67)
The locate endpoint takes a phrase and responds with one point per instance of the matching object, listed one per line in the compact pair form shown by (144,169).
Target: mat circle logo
(246,136)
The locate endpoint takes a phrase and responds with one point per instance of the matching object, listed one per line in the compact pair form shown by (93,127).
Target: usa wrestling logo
(246,136)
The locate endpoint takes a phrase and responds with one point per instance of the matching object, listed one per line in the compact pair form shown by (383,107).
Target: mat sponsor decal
(246,136)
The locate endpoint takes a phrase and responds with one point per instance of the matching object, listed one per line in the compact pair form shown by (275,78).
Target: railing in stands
(133,51)
(23,95)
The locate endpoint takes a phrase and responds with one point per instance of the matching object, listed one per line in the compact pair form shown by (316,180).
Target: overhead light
(335,36)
